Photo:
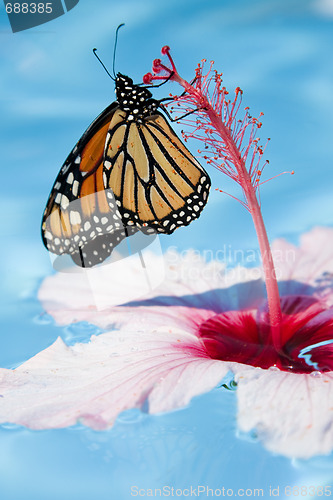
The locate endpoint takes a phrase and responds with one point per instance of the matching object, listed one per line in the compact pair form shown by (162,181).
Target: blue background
(280,53)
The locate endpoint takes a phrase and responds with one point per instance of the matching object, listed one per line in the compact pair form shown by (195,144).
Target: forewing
(78,219)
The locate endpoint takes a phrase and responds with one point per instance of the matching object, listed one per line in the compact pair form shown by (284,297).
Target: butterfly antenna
(95,53)
(115,48)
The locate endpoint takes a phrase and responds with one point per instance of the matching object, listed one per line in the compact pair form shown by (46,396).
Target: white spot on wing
(75,188)
(65,169)
(64,202)
(70,178)
(75,217)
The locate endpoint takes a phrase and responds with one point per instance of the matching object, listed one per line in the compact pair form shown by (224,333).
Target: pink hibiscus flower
(182,340)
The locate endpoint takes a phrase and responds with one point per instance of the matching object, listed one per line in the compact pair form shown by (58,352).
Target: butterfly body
(136,101)
(128,172)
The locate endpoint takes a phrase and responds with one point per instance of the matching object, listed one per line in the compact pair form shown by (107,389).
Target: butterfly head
(134,99)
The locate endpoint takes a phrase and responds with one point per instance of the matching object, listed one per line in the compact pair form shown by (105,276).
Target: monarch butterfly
(129,172)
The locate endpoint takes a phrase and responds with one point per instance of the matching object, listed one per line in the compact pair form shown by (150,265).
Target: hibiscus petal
(189,281)
(306,269)
(290,413)
(93,383)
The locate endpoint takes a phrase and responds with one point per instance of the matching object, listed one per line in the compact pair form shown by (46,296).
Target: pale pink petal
(89,295)
(188,281)
(79,294)
(92,383)
(306,266)
(291,414)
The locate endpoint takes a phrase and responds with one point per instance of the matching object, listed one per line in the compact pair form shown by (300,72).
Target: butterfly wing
(158,185)
(78,219)
(128,172)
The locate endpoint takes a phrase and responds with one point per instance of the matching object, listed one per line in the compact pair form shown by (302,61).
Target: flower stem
(273,298)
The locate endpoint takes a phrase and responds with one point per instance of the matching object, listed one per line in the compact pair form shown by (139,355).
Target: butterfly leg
(180,117)
(165,99)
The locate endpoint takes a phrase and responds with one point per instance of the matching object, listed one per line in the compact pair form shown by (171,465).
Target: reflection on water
(195,446)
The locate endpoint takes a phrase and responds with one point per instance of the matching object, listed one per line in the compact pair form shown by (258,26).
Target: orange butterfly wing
(78,219)
(157,183)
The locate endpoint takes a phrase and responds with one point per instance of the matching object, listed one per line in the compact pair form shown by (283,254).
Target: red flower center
(244,337)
